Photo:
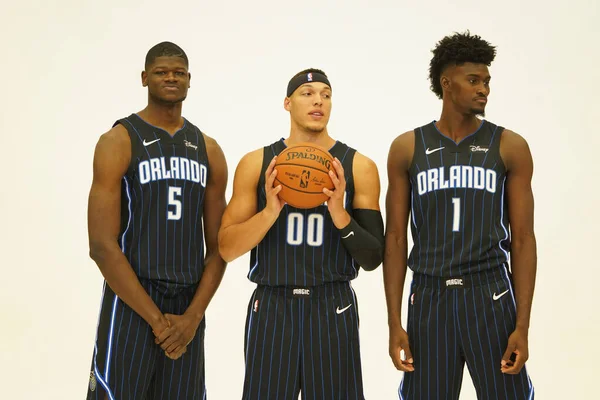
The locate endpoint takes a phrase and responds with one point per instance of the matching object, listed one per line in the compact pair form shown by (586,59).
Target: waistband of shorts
(306,291)
(462,281)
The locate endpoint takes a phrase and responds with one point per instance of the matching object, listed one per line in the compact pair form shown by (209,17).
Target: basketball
(303,172)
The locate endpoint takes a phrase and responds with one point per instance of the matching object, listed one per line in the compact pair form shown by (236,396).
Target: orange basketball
(303,172)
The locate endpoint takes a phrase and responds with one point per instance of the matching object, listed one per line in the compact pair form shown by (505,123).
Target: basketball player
(464,184)
(158,194)
(302,323)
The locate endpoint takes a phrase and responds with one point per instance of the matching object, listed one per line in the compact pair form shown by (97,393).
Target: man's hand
(274,203)
(335,203)
(517,344)
(399,342)
(181,331)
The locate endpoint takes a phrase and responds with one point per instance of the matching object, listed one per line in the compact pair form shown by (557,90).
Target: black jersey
(303,247)
(162,203)
(459,216)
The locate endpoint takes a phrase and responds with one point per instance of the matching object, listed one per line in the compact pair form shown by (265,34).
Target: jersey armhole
(500,132)
(130,169)
(411,166)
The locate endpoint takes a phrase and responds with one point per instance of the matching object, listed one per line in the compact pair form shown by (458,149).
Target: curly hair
(458,49)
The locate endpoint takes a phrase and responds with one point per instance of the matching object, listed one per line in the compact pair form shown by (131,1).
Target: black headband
(300,80)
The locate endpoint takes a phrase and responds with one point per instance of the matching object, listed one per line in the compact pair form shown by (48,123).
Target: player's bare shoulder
(364,168)
(249,167)
(114,147)
(402,150)
(514,148)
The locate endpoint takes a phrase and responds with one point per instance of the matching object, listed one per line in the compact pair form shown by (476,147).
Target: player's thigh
(331,362)
(272,351)
(124,353)
(434,345)
(491,319)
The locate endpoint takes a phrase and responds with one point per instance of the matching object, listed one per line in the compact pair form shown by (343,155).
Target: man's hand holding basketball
(335,203)
(274,203)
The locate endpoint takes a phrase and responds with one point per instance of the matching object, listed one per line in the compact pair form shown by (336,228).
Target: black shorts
(453,321)
(128,365)
(303,340)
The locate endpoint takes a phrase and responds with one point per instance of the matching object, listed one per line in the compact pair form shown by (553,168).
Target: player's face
(470,87)
(310,106)
(167,79)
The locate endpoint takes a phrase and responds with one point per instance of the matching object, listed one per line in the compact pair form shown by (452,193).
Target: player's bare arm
(183,327)
(397,207)
(519,165)
(362,234)
(242,227)
(111,160)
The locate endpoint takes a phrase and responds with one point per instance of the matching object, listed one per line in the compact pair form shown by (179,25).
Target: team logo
(478,149)
(93,382)
(301,292)
(304,179)
(190,144)
(309,77)
(256,306)
(454,282)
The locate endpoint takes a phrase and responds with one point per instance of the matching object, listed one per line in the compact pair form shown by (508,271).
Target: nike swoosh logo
(497,296)
(149,143)
(348,235)
(339,311)
(428,152)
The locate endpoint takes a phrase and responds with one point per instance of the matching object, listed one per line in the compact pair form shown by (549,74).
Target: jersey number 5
(174,214)
(296,225)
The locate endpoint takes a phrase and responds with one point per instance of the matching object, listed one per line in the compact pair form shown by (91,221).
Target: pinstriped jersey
(303,247)
(459,216)
(162,203)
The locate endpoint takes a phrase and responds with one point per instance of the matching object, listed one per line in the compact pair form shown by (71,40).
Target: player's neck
(456,125)
(167,117)
(299,135)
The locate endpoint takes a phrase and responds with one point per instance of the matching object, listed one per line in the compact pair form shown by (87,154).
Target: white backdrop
(70,68)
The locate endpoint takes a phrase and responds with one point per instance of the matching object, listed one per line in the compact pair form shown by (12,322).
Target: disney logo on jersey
(190,144)
(308,156)
(156,169)
(478,149)
(459,176)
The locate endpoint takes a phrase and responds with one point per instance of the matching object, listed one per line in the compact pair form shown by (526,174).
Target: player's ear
(144,78)
(189,80)
(445,82)
(286,103)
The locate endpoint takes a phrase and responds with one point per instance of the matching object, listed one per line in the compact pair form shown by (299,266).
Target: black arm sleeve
(363,238)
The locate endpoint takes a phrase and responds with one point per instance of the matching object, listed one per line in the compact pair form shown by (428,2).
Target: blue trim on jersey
(185,122)
(128,217)
(463,139)
(103,383)
(256,264)
(110,337)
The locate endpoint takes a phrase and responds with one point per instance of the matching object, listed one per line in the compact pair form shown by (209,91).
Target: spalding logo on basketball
(303,172)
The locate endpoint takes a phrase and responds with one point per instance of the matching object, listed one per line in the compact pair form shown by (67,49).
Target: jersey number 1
(456,218)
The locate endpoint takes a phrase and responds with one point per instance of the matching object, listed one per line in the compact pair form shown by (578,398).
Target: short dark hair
(458,49)
(165,49)
(309,70)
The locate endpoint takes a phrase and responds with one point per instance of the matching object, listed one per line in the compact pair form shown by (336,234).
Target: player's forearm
(236,240)
(524,267)
(394,274)
(123,281)
(211,279)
